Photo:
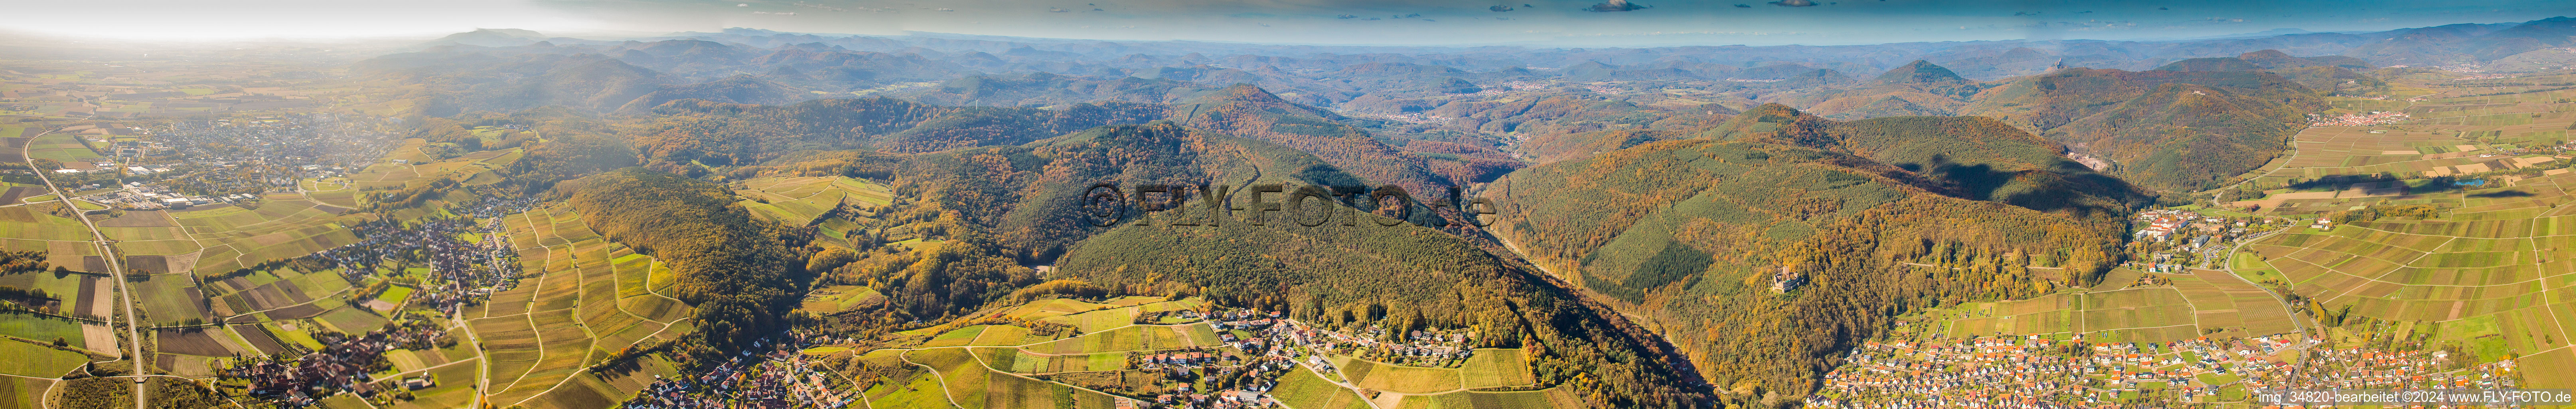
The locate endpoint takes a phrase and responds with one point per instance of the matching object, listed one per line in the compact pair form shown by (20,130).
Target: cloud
(1794,3)
(1616,5)
(1499,9)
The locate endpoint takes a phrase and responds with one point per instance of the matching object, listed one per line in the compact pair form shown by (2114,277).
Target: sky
(1569,23)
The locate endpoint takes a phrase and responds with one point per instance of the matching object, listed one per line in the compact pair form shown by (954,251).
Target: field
(2473,140)
(1551,397)
(990,368)
(1402,379)
(2208,303)
(834,299)
(1493,367)
(37,361)
(582,299)
(282,226)
(798,200)
(62,147)
(2489,272)
(998,366)
(1302,389)
(804,200)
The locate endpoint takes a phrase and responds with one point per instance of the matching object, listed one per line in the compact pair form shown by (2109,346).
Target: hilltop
(2169,130)
(1718,242)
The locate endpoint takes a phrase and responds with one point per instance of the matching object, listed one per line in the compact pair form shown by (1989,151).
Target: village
(1274,345)
(2042,372)
(773,375)
(2358,119)
(345,364)
(1258,348)
(459,273)
(2177,241)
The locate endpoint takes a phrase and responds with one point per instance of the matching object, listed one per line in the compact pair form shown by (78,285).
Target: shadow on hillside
(2065,186)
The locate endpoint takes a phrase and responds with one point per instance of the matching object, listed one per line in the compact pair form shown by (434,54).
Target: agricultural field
(800,199)
(63,147)
(282,225)
(839,298)
(993,364)
(805,200)
(38,361)
(2487,272)
(470,169)
(2501,265)
(1496,367)
(2453,152)
(2207,303)
(582,299)
(1545,398)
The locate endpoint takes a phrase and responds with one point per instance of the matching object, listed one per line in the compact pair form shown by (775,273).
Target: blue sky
(1527,22)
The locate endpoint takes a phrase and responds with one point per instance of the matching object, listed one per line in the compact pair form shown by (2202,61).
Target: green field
(1303,390)
(395,294)
(42,329)
(38,361)
(1492,367)
(1396,378)
(798,200)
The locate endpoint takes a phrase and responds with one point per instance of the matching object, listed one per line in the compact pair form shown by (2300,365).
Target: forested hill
(1401,278)
(2170,130)
(980,214)
(687,134)
(1247,111)
(1984,159)
(1693,234)
(1030,195)
(1918,88)
(743,275)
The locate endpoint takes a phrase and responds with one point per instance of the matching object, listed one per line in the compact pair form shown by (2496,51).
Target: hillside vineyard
(1124,206)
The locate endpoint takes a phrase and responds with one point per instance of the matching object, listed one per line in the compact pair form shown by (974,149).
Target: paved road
(2228,264)
(124,288)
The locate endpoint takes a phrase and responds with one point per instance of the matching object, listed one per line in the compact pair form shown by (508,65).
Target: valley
(746,218)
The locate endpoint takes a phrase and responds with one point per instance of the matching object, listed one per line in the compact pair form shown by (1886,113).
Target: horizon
(1435,23)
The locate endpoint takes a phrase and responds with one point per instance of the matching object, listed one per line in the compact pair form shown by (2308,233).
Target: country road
(124,287)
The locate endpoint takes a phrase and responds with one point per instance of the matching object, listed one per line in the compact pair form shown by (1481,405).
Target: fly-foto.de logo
(1108,204)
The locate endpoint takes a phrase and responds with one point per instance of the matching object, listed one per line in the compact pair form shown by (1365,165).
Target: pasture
(799,200)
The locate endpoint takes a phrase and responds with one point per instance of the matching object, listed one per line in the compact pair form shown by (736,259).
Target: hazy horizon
(1573,23)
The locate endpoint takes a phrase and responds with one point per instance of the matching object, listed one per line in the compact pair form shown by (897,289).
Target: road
(2228,264)
(124,288)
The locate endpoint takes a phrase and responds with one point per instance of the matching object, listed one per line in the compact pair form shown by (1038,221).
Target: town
(2039,372)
